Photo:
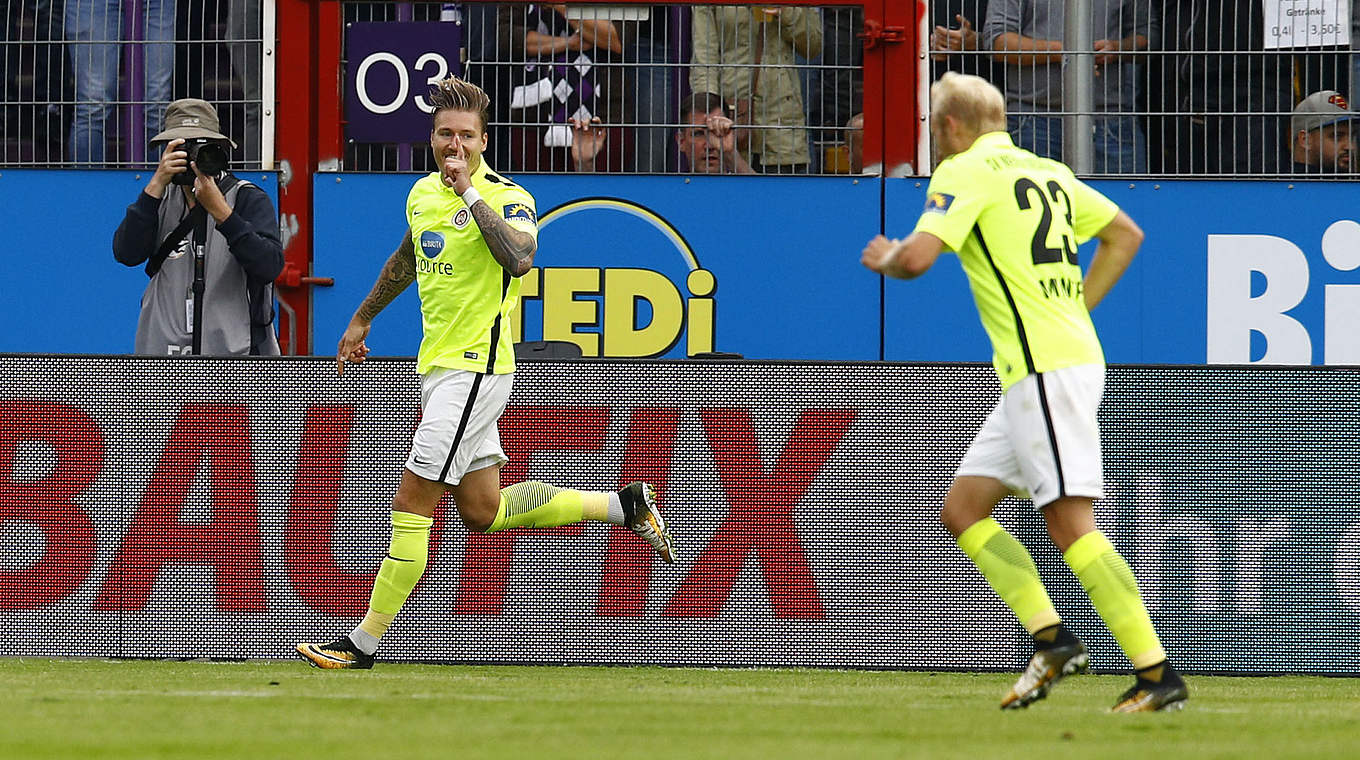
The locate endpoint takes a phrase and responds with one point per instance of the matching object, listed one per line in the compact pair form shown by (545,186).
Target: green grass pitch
(140,709)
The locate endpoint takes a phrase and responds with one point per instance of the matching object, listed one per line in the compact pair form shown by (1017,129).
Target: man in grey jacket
(210,241)
(1027,36)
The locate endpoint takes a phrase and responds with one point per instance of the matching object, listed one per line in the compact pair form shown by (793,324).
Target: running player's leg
(407,555)
(1113,591)
(487,508)
(1002,559)
(474,475)
(990,469)
(1068,400)
(988,472)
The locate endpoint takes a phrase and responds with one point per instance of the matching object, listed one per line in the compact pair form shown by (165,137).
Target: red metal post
(308,138)
(295,155)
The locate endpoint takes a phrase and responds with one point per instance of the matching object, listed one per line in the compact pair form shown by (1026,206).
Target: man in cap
(1320,134)
(210,242)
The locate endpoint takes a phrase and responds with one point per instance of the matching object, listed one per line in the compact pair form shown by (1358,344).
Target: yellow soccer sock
(540,505)
(407,555)
(1109,583)
(1010,570)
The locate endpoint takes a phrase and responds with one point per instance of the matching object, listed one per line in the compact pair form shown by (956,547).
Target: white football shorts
(457,432)
(1043,439)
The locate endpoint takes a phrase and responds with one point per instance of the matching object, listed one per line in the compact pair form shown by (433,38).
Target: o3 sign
(391,67)
(361,89)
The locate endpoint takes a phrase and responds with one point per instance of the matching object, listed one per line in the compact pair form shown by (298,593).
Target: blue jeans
(94,29)
(653,106)
(1119,144)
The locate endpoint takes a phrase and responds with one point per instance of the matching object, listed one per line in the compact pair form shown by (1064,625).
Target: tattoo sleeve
(513,249)
(397,273)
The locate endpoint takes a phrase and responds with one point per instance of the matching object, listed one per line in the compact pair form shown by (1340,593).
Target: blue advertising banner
(67,293)
(768,267)
(391,66)
(1229,273)
(642,266)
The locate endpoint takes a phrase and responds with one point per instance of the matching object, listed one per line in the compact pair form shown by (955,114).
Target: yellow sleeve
(1091,210)
(516,206)
(952,208)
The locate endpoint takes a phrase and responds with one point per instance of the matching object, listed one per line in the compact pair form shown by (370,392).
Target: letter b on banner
(1234,313)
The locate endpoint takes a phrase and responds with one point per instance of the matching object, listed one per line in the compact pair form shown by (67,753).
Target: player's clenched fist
(455,171)
(879,254)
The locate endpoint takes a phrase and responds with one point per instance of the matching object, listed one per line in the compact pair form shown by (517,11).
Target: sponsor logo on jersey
(519,211)
(938,203)
(431,243)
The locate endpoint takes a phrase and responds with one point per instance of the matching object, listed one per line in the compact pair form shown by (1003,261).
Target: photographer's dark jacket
(242,257)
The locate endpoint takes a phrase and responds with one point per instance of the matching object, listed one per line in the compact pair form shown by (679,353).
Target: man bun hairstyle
(454,94)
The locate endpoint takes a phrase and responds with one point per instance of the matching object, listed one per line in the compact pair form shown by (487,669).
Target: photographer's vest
(228,311)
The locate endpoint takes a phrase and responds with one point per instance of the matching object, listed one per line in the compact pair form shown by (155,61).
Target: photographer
(210,242)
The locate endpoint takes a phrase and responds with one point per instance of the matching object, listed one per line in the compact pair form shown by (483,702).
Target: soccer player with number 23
(1015,221)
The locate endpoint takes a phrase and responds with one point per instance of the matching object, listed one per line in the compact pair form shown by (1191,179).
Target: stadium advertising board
(1232,272)
(643,266)
(1229,273)
(217,508)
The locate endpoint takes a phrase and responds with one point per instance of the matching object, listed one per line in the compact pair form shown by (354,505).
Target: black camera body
(208,153)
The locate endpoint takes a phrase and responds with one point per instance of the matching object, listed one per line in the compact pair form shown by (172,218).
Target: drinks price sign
(1306,23)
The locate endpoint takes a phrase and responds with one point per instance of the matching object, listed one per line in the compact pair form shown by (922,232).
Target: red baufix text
(759,521)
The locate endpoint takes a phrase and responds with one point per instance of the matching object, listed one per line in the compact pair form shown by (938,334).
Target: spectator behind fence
(1321,141)
(94,29)
(192,209)
(652,94)
(955,41)
(746,54)
(1027,36)
(854,130)
(1234,94)
(708,139)
(556,80)
(245,31)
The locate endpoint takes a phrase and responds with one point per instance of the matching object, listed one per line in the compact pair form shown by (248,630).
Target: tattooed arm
(514,249)
(397,273)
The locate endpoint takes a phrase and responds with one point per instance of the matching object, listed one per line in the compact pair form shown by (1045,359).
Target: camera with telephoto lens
(208,153)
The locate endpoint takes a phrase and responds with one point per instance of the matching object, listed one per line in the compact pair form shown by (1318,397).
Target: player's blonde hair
(454,94)
(974,101)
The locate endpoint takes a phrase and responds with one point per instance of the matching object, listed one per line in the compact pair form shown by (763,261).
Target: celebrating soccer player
(1015,221)
(472,234)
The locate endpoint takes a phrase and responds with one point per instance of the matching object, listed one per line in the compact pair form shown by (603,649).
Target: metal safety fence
(1228,88)
(86,82)
(1166,87)
(619,89)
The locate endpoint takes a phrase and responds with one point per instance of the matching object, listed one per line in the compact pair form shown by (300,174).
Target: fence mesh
(1176,87)
(86,82)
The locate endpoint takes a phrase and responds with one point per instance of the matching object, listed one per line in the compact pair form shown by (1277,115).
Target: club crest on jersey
(460,219)
(519,211)
(431,244)
(938,202)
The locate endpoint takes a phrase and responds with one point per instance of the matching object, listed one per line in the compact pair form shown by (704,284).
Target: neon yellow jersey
(1015,220)
(465,296)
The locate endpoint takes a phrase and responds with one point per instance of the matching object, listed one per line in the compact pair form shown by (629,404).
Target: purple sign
(390,68)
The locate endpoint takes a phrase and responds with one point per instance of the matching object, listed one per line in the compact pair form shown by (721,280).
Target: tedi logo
(620,311)
(1254,280)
